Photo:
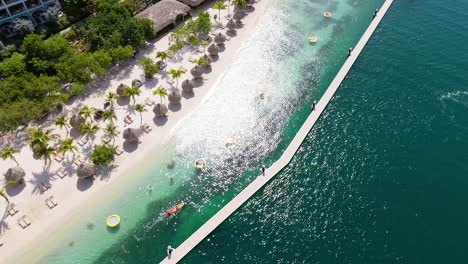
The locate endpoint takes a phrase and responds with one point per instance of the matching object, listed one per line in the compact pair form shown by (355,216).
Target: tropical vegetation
(103,155)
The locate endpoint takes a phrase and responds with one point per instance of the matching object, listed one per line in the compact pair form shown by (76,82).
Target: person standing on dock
(263,171)
(349,52)
(313,105)
(375,13)
(169,251)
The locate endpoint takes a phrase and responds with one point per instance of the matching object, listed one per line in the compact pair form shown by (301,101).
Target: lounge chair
(128,119)
(83,141)
(50,202)
(118,151)
(146,128)
(149,102)
(12,210)
(24,221)
(58,157)
(44,187)
(78,160)
(105,138)
(62,173)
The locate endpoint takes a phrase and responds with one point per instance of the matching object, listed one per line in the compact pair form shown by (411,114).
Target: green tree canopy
(103,155)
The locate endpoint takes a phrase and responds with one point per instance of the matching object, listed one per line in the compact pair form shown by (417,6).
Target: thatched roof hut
(231,25)
(238,16)
(164,13)
(121,90)
(15,174)
(213,50)
(219,38)
(187,86)
(196,72)
(192,3)
(85,170)
(160,110)
(174,97)
(131,135)
(76,121)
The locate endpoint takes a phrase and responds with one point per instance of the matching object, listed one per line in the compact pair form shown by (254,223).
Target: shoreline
(72,201)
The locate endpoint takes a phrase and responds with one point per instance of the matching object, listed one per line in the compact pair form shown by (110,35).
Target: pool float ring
(231,141)
(313,39)
(113,220)
(327,14)
(200,163)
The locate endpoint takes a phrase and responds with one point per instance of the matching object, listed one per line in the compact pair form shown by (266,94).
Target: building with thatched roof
(187,86)
(160,110)
(131,135)
(174,97)
(15,174)
(192,3)
(164,13)
(76,121)
(121,90)
(86,170)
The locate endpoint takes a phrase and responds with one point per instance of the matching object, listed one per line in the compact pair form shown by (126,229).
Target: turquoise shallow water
(379,179)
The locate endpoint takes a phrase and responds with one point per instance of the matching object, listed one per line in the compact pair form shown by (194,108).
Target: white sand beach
(72,195)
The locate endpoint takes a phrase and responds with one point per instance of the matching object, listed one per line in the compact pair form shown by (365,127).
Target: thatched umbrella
(213,50)
(174,97)
(196,72)
(219,38)
(231,25)
(76,121)
(238,16)
(187,86)
(15,174)
(85,170)
(121,90)
(131,135)
(136,83)
(160,110)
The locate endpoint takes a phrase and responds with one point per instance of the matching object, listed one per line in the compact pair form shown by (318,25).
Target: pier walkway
(260,181)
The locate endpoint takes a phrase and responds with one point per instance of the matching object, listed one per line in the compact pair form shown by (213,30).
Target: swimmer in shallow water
(150,188)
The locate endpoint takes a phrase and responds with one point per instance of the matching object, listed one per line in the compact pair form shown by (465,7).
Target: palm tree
(219,6)
(176,75)
(111,129)
(239,3)
(140,109)
(86,112)
(161,91)
(67,146)
(38,137)
(3,193)
(132,92)
(109,115)
(202,61)
(164,55)
(62,121)
(89,129)
(46,152)
(9,153)
(111,97)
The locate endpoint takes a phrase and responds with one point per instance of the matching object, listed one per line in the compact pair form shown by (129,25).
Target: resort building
(165,13)
(32,10)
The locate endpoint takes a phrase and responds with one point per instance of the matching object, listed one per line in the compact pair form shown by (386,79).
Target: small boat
(327,14)
(113,220)
(175,209)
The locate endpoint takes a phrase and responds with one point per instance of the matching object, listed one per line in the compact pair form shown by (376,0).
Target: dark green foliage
(103,155)
(150,67)
(26,97)
(13,66)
